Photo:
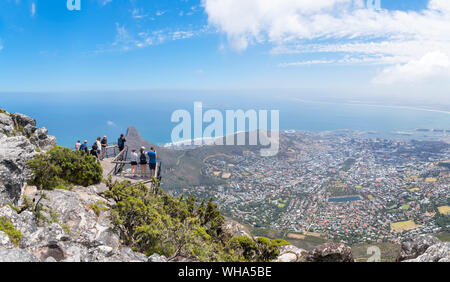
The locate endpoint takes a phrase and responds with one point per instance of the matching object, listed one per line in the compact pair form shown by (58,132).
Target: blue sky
(226,44)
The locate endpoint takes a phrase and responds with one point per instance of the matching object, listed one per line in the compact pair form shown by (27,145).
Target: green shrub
(268,250)
(61,167)
(152,222)
(261,250)
(246,246)
(8,228)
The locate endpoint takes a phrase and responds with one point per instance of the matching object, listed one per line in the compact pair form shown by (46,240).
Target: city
(337,185)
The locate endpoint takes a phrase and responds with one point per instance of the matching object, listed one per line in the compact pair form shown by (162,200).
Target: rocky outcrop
(233,228)
(330,252)
(424,248)
(437,253)
(290,253)
(416,247)
(17,255)
(19,142)
(74,231)
(157,258)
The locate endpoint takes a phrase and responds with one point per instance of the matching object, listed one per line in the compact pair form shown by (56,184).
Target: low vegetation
(151,221)
(8,228)
(62,167)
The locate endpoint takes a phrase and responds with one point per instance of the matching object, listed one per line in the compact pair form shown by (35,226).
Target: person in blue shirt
(152,161)
(84,147)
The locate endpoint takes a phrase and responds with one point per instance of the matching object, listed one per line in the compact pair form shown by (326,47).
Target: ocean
(78,116)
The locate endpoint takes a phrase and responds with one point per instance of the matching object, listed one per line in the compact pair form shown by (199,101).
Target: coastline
(376,105)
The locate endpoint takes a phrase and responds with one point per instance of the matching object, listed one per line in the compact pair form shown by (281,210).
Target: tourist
(121,142)
(152,161)
(99,147)
(78,145)
(143,163)
(104,146)
(134,163)
(94,150)
(84,147)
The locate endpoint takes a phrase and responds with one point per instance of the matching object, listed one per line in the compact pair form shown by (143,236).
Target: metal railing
(120,161)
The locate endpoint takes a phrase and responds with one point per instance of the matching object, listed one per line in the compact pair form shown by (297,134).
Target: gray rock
(21,120)
(5,242)
(52,251)
(50,259)
(157,258)
(233,228)
(416,247)
(6,124)
(42,140)
(128,255)
(14,153)
(436,253)
(29,130)
(330,252)
(17,255)
(290,253)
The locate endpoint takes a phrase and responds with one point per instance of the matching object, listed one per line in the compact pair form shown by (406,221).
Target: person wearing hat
(84,147)
(143,162)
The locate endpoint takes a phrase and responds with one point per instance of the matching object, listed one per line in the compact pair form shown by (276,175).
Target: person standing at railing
(99,147)
(143,163)
(104,145)
(134,163)
(121,142)
(152,156)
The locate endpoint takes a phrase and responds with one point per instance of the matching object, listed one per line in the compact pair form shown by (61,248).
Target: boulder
(21,120)
(290,253)
(17,255)
(439,252)
(233,228)
(157,258)
(42,140)
(416,247)
(18,141)
(6,125)
(330,252)
(5,242)
(14,154)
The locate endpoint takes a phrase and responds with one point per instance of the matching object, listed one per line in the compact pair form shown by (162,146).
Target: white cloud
(138,14)
(434,64)
(127,41)
(404,41)
(110,123)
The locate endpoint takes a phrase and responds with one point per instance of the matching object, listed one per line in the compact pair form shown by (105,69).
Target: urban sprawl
(339,185)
